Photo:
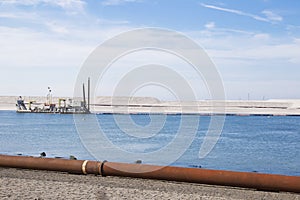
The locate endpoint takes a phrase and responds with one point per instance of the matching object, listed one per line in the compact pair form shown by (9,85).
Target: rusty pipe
(51,164)
(270,182)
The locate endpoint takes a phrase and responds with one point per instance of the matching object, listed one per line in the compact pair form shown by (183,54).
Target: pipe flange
(101,172)
(83,166)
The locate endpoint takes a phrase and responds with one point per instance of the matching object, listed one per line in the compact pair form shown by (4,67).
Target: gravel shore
(34,184)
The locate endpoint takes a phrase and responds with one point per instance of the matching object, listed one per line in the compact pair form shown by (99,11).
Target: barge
(62,106)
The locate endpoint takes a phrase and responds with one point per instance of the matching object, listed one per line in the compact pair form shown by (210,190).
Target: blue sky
(255,44)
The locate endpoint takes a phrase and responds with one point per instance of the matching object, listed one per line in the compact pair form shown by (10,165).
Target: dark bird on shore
(138,161)
(43,154)
(72,157)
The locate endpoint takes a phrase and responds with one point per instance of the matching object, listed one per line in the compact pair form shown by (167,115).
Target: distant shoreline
(144,105)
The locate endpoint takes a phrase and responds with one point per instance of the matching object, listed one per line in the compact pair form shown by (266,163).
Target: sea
(263,144)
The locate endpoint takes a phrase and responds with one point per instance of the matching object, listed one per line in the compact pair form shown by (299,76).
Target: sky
(254,44)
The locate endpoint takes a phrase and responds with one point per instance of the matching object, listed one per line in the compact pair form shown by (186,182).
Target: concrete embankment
(153,105)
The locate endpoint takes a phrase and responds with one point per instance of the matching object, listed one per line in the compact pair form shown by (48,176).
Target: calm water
(248,143)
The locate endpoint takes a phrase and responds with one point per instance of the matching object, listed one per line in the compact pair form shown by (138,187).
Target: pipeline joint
(101,172)
(83,167)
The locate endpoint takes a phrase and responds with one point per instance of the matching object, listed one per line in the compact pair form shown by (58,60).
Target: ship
(62,106)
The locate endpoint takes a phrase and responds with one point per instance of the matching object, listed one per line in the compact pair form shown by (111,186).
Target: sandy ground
(34,184)
(152,105)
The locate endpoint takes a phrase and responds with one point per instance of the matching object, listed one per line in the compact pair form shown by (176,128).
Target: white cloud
(252,56)
(258,63)
(261,36)
(54,27)
(72,6)
(210,25)
(112,22)
(20,2)
(26,48)
(17,15)
(270,17)
(56,61)
(37,52)
(214,31)
(252,49)
(118,2)
(10,15)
